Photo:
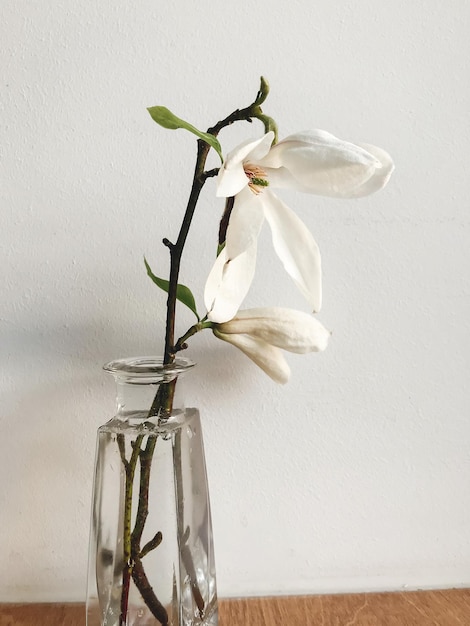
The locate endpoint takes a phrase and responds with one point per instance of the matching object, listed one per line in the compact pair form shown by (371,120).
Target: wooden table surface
(420,608)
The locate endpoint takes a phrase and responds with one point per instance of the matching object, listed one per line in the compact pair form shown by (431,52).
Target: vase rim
(148,368)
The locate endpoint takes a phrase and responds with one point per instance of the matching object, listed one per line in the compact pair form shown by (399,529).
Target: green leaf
(167,119)
(183,293)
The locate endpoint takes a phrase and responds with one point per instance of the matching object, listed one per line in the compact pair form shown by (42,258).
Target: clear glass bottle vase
(151,558)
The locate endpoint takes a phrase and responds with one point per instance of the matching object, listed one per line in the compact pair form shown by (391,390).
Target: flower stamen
(257,178)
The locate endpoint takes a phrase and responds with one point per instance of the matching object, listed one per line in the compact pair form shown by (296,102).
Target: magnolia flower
(312,161)
(260,333)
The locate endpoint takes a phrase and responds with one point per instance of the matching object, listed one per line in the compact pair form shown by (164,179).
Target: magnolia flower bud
(261,333)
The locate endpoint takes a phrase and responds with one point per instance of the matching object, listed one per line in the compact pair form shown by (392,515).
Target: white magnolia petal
(288,329)
(282,178)
(214,279)
(231,178)
(252,148)
(228,283)
(269,358)
(296,247)
(381,175)
(230,182)
(330,171)
(261,149)
(246,220)
(323,164)
(316,139)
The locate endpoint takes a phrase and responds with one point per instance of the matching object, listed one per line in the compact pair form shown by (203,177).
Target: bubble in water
(140,613)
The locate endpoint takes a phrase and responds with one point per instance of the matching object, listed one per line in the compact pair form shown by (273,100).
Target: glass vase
(151,558)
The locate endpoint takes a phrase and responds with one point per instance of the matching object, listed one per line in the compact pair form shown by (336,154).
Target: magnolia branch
(163,401)
(200,176)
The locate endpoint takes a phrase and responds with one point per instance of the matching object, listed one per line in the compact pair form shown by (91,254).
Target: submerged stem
(143,585)
(129,467)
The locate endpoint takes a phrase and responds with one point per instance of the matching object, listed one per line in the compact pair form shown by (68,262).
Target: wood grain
(420,608)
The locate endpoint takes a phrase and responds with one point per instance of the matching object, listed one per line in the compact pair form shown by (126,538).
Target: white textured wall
(355,476)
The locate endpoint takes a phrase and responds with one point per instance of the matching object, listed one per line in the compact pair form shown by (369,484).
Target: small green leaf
(167,119)
(183,293)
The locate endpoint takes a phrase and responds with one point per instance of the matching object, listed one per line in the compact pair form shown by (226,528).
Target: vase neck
(147,389)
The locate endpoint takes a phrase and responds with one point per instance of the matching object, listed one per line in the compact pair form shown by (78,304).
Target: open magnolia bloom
(312,161)
(261,333)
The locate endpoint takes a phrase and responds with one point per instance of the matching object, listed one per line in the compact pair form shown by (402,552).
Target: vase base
(141,617)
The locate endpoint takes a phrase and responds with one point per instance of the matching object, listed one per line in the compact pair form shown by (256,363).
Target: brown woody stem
(142,583)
